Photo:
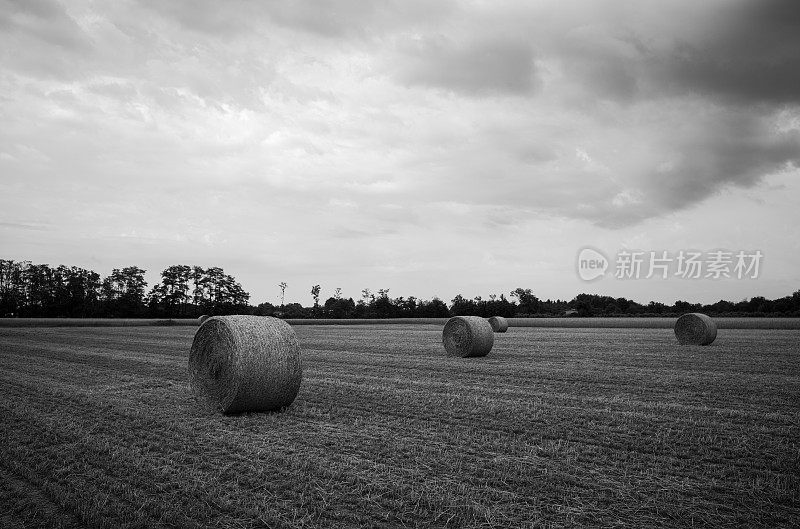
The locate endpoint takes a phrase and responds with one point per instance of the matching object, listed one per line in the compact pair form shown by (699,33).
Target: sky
(431,148)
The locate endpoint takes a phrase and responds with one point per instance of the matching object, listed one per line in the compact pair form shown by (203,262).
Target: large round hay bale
(695,329)
(246,363)
(467,336)
(202,318)
(498,323)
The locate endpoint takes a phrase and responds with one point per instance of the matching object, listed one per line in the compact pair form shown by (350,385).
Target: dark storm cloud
(739,151)
(736,152)
(607,61)
(753,55)
(498,65)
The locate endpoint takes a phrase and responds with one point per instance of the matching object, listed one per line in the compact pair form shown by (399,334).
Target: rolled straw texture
(695,329)
(467,336)
(203,318)
(498,323)
(245,363)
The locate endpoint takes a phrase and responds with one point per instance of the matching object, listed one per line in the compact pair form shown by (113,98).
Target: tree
(406,308)
(123,292)
(434,308)
(12,286)
(200,290)
(226,295)
(294,310)
(40,289)
(528,303)
(460,306)
(340,308)
(172,296)
(80,292)
(264,309)
(175,280)
(382,306)
(315,294)
(282,286)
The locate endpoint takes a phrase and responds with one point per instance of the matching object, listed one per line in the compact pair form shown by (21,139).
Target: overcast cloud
(427,147)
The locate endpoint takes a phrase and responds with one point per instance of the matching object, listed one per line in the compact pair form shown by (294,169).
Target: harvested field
(558,427)
(97,322)
(652,323)
(569,323)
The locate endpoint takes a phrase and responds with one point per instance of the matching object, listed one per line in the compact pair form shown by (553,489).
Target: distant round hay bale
(498,323)
(203,318)
(695,329)
(467,336)
(245,363)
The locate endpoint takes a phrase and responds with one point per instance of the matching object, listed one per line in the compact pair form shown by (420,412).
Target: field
(610,323)
(556,427)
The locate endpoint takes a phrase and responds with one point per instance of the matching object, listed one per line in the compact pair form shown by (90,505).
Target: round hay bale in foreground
(695,329)
(245,363)
(203,318)
(498,323)
(467,336)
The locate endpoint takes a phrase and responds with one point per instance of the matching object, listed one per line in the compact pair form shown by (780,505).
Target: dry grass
(96,322)
(371,321)
(652,323)
(599,322)
(246,363)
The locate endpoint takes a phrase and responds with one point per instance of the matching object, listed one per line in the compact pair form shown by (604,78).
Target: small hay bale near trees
(202,318)
(695,329)
(245,363)
(467,336)
(498,323)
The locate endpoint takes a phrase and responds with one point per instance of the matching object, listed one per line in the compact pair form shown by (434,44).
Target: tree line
(184,291)
(40,291)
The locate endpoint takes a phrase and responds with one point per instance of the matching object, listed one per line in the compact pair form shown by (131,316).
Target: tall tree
(175,280)
(79,292)
(315,294)
(282,286)
(199,292)
(12,286)
(123,292)
(528,303)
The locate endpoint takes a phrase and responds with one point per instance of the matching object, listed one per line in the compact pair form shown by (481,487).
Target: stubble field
(556,427)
